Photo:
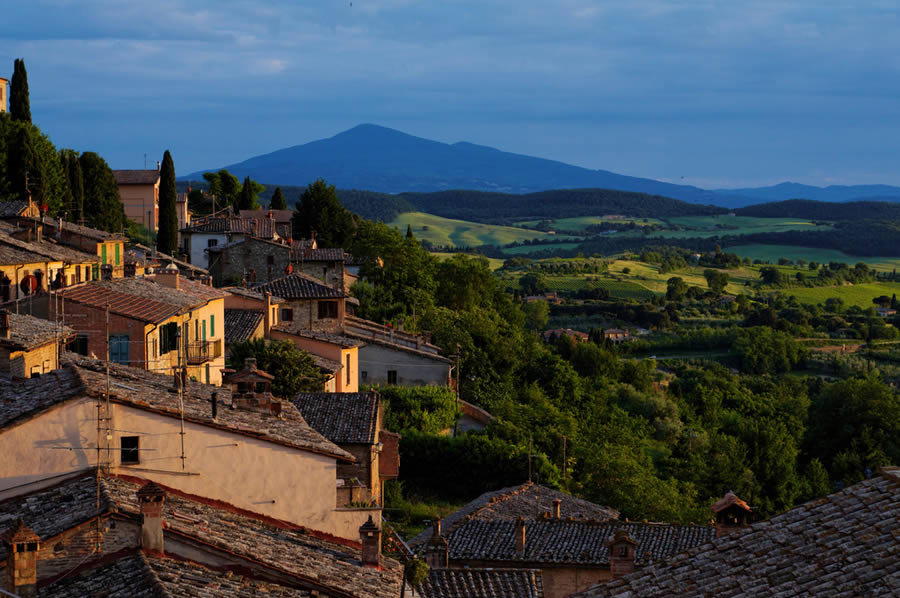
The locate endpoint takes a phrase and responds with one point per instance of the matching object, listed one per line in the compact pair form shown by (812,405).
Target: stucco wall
(141,204)
(24,364)
(412,370)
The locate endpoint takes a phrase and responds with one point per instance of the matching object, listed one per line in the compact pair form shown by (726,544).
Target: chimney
(168,277)
(152,498)
(556,504)
(621,554)
(370,535)
(437,551)
(250,364)
(214,403)
(732,514)
(22,546)
(520,536)
(4,324)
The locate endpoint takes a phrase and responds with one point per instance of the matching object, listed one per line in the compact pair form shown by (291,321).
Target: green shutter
(103,253)
(212,325)
(117,254)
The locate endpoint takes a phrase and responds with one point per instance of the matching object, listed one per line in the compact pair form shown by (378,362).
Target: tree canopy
(167,235)
(248,199)
(320,212)
(19,102)
(294,369)
(102,206)
(278,202)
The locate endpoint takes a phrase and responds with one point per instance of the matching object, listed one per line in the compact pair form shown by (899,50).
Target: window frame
(130,455)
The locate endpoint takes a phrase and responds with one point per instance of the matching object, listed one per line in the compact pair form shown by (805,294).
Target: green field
(460,233)
(811,254)
(858,294)
(528,249)
(582,222)
(618,289)
(494,262)
(724,226)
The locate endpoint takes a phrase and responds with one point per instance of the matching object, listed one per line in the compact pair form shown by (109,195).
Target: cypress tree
(409,233)
(167,235)
(24,167)
(19,104)
(278,201)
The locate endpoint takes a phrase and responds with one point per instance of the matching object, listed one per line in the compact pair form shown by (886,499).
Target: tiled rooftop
(341,417)
(482,583)
(50,225)
(528,500)
(325,337)
(11,209)
(240,324)
(263,228)
(50,250)
(144,255)
(250,294)
(132,298)
(845,544)
(300,253)
(14,256)
(136,177)
(124,577)
(300,286)
(82,376)
(28,332)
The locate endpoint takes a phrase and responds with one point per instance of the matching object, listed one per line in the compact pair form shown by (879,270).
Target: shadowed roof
(341,417)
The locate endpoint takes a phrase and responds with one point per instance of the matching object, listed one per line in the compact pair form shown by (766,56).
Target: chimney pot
(556,504)
(437,551)
(22,546)
(152,498)
(520,536)
(370,534)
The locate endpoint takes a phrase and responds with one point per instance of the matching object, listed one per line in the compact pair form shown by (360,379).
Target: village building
(212,232)
(282,219)
(140,259)
(161,323)
(32,268)
(139,192)
(29,346)
(555,333)
(355,422)
(194,438)
(844,544)
(617,335)
(391,356)
(107,534)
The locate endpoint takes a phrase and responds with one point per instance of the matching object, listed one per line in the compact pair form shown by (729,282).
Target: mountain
(376,158)
(380,159)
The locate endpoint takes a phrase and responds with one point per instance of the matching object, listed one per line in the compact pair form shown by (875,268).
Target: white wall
(412,370)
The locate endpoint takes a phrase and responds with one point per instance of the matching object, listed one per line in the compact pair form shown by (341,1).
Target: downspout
(18,288)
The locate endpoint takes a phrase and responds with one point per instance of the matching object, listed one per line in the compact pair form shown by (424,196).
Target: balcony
(203,351)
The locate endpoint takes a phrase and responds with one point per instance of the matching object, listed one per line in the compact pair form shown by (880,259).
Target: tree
(409,233)
(23,167)
(675,288)
(715,280)
(278,202)
(73,203)
(320,212)
(224,186)
(167,235)
(294,369)
(19,103)
(533,283)
(537,314)
(102,206)
(249,196)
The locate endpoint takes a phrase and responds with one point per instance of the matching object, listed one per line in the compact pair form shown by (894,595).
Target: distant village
(136,461)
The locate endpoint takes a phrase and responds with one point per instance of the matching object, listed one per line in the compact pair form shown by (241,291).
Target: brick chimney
(556,504)
(167,277)
(732,514)
(370,535)
(4,324)
(520,536)
(22,546)
(251,389)
(621,554)
(437,551)
(152,499)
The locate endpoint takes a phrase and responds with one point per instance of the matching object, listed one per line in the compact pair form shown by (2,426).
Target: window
(118,348)
(168,338)
(287,314)
(212,325)
(212,242)
(363,375)
(87,274)
(328,310)
(623,551)
(78,345)
(392,376)
(348,368)
(204,331)
(130,451)
(270,260)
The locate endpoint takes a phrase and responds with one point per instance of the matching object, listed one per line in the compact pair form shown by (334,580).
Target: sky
(713,93)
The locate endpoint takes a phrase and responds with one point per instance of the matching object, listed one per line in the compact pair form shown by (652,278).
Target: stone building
(29,346)
(213,232)
(354,421)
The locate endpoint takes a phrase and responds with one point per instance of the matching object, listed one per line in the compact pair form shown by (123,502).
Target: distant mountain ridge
(376,158)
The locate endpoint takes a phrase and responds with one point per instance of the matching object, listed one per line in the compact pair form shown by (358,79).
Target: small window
(623,551)
(130,452)
(392,376)
(287,314)
(328,310)
(363,375)
(78,345)
(212,242)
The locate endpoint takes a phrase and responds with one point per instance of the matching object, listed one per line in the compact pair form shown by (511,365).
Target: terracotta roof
(201,291)
(136,177)
(482,583)
(528,500)
(13,208)
(300,286)
(842,545)
(151,391)
(729,499)
(291,553)
(325,337)
(131,298)
(327,365)
(14,256)
(233,225)
(28,332)
(250,294)
(305,254)
(240,324)
(561,542)
(341,417)
(51,250)
(263,214)
(368,340)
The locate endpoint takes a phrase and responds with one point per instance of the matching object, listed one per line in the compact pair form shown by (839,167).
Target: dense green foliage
(224,186)
(249,196)
(102,206)
(278,201)
(427,409)
(19,101)
(294,369)
(73,193)
(824,210)
(320,213)
(167,235)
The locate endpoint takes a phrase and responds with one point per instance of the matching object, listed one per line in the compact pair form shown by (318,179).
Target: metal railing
(203,351)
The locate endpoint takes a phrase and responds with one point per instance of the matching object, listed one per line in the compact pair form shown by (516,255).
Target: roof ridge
(158,585)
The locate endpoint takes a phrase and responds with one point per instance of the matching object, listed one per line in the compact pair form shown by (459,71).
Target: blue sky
(721,93)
